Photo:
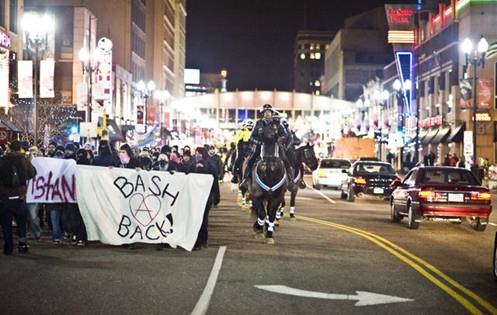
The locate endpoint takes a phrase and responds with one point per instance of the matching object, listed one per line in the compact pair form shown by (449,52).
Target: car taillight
(426,194)
(360,180)
(481,196)
(433,196)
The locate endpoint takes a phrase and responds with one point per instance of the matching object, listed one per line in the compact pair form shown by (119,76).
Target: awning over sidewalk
(457,134)
(443,133)
(422,135)
(7,124)
(427,140)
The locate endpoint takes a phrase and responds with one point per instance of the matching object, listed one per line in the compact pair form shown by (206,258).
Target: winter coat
(26,169)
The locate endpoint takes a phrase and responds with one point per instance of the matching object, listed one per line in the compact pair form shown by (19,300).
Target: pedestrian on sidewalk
(15,171)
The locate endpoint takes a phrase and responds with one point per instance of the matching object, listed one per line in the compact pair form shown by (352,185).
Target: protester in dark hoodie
(15,170)
(83,157)
(105,156)
(186,165)
(164,164)
(72,221)
(51,149)
(202,166)
(126,157)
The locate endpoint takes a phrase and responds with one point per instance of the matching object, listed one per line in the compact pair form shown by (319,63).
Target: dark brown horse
(267,189)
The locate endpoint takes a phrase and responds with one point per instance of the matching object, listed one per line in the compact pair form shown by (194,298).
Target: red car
(441,192)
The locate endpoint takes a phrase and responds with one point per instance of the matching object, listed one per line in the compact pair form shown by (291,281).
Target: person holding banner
(33,208)
(15,171)
(202,166)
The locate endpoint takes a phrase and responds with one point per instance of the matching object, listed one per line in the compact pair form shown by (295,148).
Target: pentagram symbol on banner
(144,209)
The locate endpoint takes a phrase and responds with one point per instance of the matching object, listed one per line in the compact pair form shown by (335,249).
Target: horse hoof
(259,235)
(277,223)
(270,241)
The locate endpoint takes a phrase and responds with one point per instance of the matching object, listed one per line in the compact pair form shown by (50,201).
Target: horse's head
(309,157)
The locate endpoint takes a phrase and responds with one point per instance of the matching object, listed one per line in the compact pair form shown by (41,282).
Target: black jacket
(25,169)
(204,167)
(106,160)
(267,131)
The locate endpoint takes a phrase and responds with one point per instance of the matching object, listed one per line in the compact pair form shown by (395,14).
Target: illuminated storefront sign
(404,60)
(431,122)
(400,16)
(4,40)
(401,37)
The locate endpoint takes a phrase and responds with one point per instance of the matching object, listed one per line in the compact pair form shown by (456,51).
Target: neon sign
(405,63)
(400,16)
(4,40)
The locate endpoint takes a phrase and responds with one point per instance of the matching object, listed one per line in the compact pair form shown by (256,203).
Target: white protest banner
(55,181)
(124,206)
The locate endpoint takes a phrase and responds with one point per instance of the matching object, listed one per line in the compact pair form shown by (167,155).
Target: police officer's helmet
(266,107)
(249,123)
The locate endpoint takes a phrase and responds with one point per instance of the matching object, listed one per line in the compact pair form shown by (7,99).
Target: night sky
(253,39)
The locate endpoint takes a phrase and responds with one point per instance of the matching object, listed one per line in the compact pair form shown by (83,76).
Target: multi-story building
(308,65)
(11,12)
(148,44)
(439,66)
(357,54)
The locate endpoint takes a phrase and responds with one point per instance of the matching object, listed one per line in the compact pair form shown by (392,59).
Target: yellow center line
(394,250)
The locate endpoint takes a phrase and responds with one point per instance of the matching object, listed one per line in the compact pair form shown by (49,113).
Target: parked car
(329,173)
(369,178)
(448,193)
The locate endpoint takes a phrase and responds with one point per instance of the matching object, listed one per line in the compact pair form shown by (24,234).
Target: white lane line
(324,196)
(205,298)
(491,223)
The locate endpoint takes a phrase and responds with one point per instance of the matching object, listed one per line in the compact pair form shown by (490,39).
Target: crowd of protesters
(64,220)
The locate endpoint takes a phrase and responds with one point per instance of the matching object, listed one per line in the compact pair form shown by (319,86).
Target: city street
(335,256)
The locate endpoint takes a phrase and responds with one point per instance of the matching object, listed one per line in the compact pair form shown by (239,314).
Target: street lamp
(146,91)
(89,63)
(36,28)
(162,96)
(475,58)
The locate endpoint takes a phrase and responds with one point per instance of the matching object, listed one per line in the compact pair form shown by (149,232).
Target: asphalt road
(333,250)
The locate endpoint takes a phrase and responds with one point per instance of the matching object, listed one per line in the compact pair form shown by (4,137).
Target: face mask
(124,158)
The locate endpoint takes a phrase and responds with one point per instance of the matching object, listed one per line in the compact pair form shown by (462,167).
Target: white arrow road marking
(363,298)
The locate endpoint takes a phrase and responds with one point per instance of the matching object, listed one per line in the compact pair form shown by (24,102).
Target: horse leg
(272,208)
(261,217)
(293,196)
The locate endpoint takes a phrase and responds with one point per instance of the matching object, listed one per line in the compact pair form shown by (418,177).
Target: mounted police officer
(268,131)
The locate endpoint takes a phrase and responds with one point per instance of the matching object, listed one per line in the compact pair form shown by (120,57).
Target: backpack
(15,172)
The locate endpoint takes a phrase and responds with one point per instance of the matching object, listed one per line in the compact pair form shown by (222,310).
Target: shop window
(2,13)
(13,16)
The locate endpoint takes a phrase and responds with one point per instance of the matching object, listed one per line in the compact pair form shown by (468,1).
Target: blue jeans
(34,219)
(13,208)
(55,216)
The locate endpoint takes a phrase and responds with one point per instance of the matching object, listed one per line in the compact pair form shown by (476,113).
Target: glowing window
(317,55)
(302,56)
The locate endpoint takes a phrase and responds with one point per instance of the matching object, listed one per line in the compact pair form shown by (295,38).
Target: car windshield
(375,168)
(335,164)
(448,176)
